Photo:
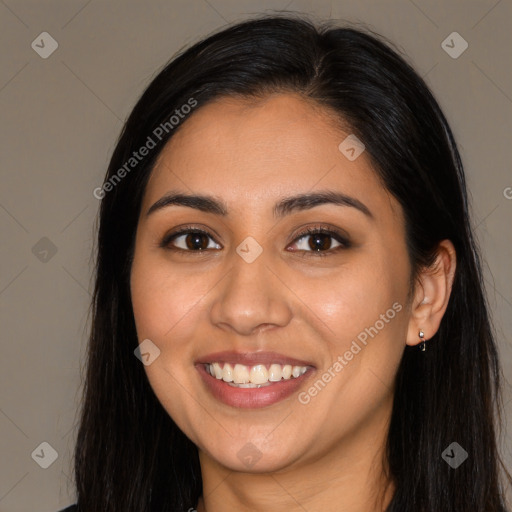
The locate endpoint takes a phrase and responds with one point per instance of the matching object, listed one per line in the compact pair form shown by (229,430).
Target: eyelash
(345,244)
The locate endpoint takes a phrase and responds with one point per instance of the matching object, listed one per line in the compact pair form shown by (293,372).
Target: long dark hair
(130,455)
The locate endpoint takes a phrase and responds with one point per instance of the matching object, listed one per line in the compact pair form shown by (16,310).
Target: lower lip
(251,398)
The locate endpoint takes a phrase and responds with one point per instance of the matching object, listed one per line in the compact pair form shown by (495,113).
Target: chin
(252,456)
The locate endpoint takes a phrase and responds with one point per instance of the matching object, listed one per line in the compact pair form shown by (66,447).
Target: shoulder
(71,508)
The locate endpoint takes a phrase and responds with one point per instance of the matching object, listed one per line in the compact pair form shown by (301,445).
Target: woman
(289,311)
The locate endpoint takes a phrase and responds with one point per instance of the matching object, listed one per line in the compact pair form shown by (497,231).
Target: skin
(327,454)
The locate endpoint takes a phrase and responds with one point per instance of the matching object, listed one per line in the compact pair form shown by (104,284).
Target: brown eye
(190,241)
(318,241)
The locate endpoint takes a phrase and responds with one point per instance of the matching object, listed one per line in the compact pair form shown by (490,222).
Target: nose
(250,299)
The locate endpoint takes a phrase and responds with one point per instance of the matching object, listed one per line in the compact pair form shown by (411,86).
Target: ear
(431,295)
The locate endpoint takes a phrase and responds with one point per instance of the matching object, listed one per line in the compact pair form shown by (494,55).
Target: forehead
(247,150)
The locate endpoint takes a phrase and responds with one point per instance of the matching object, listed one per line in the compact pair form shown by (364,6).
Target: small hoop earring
(423,346)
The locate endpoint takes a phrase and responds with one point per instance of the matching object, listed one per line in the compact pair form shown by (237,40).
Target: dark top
(71,508)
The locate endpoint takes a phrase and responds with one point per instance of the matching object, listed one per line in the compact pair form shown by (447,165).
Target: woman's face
(258,291)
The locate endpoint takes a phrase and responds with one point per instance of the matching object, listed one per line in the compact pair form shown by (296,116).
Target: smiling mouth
(255,376)
(251,380)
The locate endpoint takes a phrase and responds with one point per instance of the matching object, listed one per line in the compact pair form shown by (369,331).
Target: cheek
(355,296)
(363,321)
(162,299)
(165,307)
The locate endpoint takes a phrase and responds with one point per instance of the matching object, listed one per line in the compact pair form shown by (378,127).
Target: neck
(351,477)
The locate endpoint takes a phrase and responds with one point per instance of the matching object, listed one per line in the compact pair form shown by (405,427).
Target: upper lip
(251,358)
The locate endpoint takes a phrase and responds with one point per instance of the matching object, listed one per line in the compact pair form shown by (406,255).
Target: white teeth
(249,385)
(254,376)
(217,370)
(275,373)
(258,374)
(240,374)
(296,371)
(227,373)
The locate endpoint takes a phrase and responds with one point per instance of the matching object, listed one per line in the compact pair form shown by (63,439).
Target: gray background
(60,120)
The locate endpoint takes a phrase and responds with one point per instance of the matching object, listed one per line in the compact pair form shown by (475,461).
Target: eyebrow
(300,202)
